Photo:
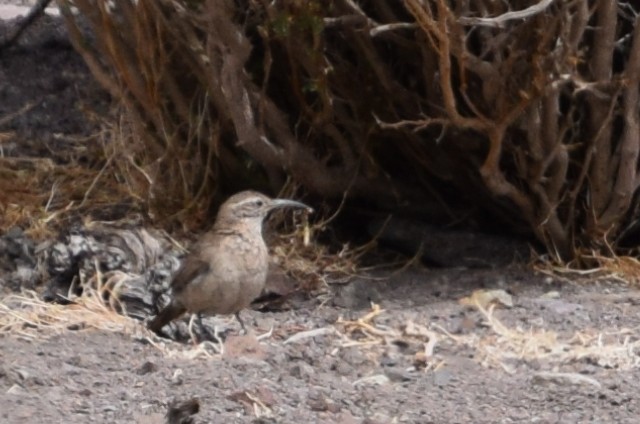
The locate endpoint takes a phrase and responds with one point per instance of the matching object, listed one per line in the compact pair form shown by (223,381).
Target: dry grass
(41,195)
(297,251)
(502,346)
(26,315)
(314,266)
(591,266)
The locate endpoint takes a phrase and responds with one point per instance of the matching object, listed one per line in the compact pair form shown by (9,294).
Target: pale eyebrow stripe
(247,201)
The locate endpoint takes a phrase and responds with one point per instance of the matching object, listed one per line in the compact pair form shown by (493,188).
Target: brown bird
(227,268)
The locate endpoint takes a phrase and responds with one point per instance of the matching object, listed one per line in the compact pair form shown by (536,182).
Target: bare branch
(499,21)
(391,27)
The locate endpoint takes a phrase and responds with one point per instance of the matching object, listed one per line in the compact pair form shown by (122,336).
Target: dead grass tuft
(316,264)
(503,347)
(591,267)
(41,195)
(28,316)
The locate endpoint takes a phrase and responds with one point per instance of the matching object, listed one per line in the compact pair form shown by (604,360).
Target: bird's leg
(244,329)
(208,335)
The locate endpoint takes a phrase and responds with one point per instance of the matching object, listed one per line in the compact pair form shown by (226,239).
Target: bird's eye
(259,203)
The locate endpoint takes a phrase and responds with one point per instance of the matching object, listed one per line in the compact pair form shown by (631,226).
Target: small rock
(244,346)
(484,298)
(153,418)
(302,370)
(373,380)
(22,373)
(376,420)
(353,357)
(388,361)
(442,377)
(181,412)
(397,374)
(317,404)
(356,295)
(146,368)
(176,378)
(342,368)
(554,294)
(345,417)
(75,360)
(264,420)
(16,389)
(76,327)
(317,401)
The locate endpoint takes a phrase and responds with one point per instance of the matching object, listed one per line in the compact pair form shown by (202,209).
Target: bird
(226,268)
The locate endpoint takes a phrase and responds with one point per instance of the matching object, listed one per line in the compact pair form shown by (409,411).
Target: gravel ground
(343,376)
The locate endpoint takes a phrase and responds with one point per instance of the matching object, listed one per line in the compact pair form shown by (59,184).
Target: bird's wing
(190,269)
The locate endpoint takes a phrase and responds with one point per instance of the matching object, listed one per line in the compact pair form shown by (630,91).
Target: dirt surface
(118,377)
(49,102)
(549,352)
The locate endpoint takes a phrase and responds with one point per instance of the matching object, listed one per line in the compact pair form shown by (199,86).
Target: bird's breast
(236,277)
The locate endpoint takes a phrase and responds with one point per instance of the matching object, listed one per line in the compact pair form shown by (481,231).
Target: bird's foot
(205,334)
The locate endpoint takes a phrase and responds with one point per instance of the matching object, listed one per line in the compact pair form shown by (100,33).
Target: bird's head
(253,207)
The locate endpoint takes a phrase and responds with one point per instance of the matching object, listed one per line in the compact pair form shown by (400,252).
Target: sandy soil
(561,352)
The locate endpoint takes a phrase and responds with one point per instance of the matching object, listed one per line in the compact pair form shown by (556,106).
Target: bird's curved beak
(287,203)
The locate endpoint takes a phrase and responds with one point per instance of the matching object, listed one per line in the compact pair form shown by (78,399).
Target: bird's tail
(172,311)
